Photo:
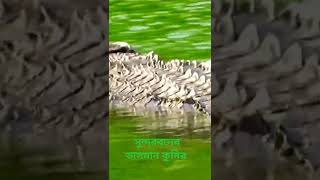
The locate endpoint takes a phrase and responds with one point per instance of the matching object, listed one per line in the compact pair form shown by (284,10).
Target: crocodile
(266,85)
(143,80)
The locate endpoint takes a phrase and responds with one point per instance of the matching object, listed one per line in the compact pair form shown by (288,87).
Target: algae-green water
(173,29)
(195,142)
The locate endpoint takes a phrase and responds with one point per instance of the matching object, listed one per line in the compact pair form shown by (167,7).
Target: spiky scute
(146,81)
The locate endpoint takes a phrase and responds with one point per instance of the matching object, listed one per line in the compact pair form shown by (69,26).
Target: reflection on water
(192,128)
(160,123)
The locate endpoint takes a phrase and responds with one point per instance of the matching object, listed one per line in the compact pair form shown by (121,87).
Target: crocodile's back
(143,80)
(53,78)
(266,65)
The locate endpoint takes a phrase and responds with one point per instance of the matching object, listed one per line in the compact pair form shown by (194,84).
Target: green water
(172,29)
(195,141)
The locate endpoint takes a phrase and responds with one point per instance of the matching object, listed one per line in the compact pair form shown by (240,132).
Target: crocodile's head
(120,47)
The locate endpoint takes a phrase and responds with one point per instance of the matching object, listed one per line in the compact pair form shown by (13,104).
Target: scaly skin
(145,81)
(53,78)
(266,79)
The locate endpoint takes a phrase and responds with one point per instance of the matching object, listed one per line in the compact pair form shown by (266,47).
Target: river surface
(172,29)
